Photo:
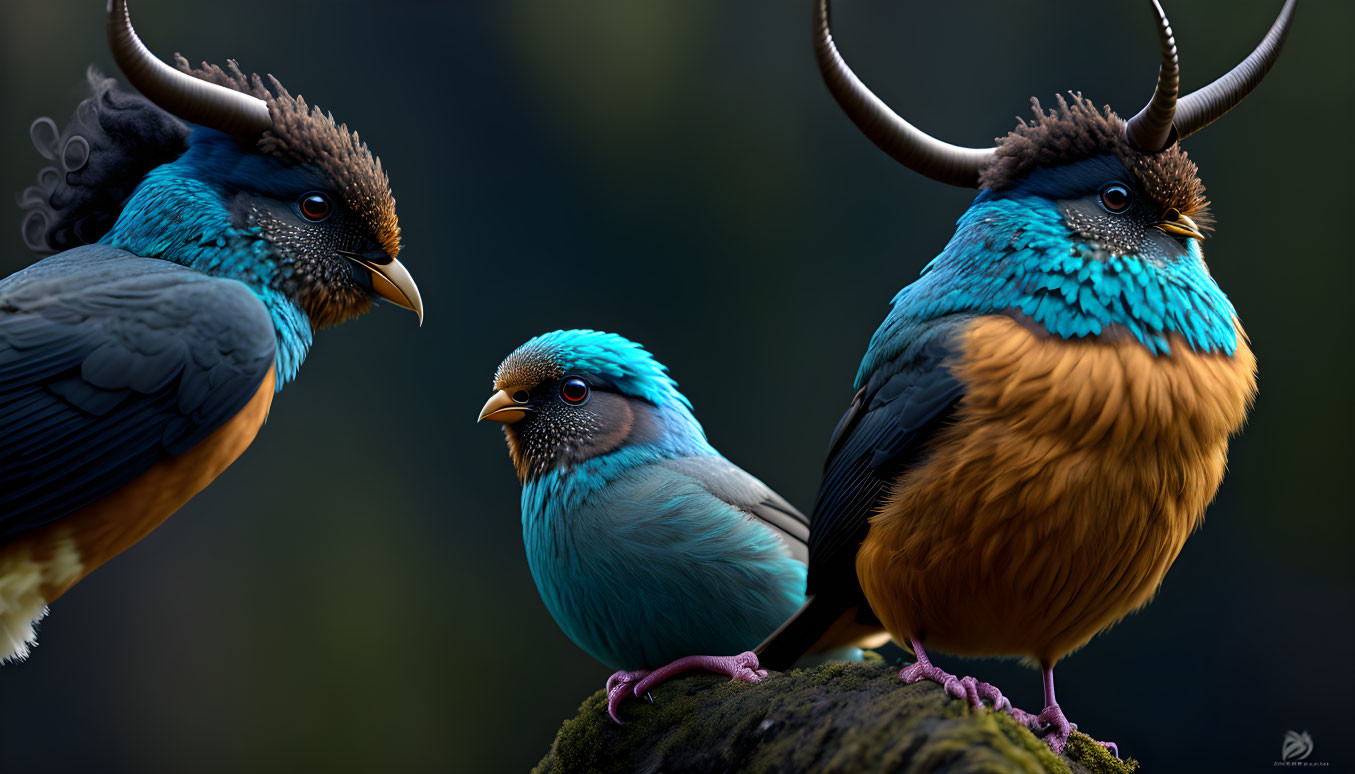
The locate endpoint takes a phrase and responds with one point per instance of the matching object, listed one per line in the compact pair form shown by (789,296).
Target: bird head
(568,396)
(1122,187)
(267,190)
(1074,166)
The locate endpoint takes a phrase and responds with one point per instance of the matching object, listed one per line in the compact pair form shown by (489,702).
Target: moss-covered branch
(833,718)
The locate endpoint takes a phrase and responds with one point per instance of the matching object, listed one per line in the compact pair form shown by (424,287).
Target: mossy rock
(837,717)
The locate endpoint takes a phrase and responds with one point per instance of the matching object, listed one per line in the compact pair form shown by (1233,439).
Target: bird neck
(186,220)
(562,489)
(1015,255)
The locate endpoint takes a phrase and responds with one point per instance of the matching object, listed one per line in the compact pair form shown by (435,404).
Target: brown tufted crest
(303,134)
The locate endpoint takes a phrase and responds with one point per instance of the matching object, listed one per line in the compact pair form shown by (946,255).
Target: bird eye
(1116,198)
(315,206)
(574,390)
(521,396)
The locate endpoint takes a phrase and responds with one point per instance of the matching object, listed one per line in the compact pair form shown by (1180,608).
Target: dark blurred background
(352,594)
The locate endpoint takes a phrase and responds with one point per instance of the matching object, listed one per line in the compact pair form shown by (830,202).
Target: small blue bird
(647,546)
(1045,414)
(207,229)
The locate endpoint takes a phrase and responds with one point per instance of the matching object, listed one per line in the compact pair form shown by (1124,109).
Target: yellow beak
(1173,222)
(390,280)
(502,408)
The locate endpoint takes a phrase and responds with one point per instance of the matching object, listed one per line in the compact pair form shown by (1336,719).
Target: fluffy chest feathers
(1062,491)
(639,564)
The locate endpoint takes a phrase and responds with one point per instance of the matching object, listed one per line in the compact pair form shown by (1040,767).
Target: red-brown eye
(1116,198)
(316,206)
(574,390)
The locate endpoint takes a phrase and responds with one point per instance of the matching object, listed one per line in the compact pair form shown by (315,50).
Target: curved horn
(1151,129)
(189,98)
(907,144)
(1201,108)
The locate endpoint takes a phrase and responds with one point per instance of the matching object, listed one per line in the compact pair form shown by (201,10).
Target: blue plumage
(651,565)
(645,543)
(205,236)
(181,212)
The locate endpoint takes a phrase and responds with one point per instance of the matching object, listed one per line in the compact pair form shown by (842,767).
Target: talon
(617,684)
(614,699)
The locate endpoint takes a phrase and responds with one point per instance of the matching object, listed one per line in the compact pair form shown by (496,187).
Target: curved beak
(1173,222)
(501,408)
(390,279)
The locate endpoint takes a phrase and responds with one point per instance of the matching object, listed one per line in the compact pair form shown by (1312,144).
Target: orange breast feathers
(1054,504)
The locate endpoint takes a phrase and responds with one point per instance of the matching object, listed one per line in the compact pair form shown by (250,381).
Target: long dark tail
(799,633)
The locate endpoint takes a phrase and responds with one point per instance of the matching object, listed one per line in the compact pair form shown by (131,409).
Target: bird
(1042,418)
(202,231)
(645,543)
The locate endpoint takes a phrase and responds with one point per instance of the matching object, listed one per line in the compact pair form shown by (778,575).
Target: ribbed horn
(1151,129)
(189,98)
(907,144)
(1201,108)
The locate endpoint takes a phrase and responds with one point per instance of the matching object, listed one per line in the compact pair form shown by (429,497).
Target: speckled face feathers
(630,401)
(527,367)
(1077,130)
(303,134)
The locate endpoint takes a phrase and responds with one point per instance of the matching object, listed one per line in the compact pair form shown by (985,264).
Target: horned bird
(1043,416)
(206,231)
(645,543)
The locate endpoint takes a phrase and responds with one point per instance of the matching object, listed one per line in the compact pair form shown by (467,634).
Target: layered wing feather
(733,485)
(110,362)
(883,433)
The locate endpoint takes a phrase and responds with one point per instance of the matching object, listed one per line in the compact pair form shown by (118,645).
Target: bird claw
(617,686)
(742,668)
(1053,726)
(967,689)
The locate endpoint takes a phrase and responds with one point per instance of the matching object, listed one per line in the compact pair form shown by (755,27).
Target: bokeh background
(352,594)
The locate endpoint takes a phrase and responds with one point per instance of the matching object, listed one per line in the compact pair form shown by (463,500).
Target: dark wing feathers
(110,362)
(882,434)
(732,484)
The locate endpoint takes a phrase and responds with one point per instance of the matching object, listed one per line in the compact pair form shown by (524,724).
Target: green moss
(832,718)
(1096,759)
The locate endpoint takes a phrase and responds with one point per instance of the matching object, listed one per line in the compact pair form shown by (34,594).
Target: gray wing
(110,362)
(732,484)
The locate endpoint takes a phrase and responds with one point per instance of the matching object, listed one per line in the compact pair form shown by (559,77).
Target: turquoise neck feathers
(1013,252)
(180,212)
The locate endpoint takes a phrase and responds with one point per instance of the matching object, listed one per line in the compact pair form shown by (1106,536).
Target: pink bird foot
(965,688)
(742,668)
(1051,723)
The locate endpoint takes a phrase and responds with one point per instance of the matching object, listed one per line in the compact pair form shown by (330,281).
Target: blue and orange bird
(645,543)
(1044,415)
(206,231)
